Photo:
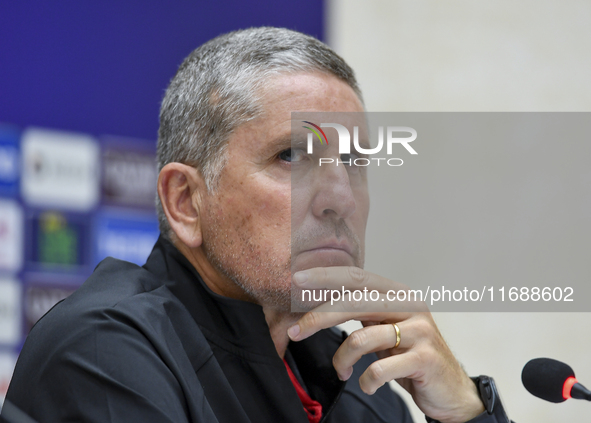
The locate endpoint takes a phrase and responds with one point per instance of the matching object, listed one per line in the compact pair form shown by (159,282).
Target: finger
(367,340)
(327,315)
(387,369)
(348,277)
(375,304)
(313,321)
(357,289)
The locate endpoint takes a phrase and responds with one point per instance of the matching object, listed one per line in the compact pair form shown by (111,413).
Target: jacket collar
(237,322)
(240,327)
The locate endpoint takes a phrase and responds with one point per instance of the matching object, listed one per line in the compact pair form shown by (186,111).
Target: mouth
(332,246)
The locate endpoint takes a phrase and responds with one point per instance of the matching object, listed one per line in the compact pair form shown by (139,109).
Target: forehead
(307,92)
(279,97)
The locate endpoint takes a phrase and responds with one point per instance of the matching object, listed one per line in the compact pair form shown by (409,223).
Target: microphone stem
(580,392)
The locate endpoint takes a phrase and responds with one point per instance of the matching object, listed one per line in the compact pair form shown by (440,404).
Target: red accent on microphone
(568,386)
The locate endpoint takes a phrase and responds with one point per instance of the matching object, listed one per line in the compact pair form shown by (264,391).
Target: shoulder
(118,298)
(113,283)
(113,342)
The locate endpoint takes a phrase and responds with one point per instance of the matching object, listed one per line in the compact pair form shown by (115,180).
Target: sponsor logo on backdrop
(125,236)
(11,236)
(367,153)
(10,312)
(61,169)
(59,240)
(129,178)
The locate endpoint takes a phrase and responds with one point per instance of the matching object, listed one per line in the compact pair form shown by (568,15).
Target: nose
(333,193)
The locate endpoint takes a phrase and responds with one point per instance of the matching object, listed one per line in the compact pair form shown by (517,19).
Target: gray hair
(215,90)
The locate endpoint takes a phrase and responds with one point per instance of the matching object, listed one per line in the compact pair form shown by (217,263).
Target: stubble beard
(262,273)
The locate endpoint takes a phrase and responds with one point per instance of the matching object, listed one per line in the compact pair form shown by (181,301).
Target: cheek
(301,205)
(260,215)
(273,208)
(362,200)
(363,213)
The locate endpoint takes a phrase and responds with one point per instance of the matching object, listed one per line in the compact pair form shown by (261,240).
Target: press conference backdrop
(80,88)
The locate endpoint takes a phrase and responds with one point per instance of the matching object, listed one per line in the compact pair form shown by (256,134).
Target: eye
(285,155)
(291,155)
(349,157)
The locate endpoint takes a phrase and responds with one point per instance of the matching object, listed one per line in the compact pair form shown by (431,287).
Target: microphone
(552,380)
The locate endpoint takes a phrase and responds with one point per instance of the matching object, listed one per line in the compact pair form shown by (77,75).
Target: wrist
(489,405)
(468,405)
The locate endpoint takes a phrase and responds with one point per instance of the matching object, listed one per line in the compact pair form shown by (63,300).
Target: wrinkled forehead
(313,91)
(282,95)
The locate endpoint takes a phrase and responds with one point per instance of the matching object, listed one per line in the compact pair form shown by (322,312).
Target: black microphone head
(545,377)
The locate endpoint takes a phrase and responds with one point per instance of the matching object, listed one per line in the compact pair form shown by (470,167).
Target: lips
(341,245)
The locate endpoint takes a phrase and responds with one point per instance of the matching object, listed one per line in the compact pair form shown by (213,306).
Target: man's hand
(422,363)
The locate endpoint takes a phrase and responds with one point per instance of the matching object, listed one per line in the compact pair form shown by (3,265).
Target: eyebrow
(288,140)
(282,142)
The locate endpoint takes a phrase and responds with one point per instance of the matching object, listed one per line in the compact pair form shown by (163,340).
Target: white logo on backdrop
(61,169)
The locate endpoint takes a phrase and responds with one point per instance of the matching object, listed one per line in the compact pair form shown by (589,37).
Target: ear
(180,188)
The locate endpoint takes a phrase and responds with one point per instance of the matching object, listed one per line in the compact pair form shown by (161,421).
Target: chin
(299,306)
(322,258)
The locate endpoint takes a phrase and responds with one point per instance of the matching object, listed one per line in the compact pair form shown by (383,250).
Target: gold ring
(397,329)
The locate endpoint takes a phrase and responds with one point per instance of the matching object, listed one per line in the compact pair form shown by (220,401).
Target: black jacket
(154,344)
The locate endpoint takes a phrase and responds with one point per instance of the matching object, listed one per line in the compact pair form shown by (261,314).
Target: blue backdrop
(102,66)
(80,89)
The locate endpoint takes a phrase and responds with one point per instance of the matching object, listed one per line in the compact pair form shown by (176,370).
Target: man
(204,332)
